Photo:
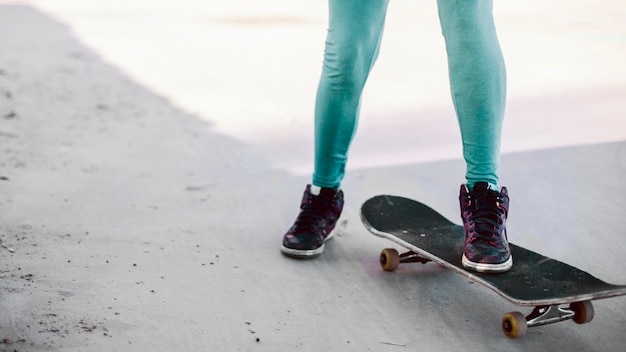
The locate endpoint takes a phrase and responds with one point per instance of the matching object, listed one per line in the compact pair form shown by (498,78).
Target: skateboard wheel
(389,259)
(514,325)
(583,311)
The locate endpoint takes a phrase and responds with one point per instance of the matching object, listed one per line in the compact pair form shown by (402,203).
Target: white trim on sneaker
(487,268)
(306,253)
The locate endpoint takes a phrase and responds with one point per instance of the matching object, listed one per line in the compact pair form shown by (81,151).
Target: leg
(478,83)
(354,34)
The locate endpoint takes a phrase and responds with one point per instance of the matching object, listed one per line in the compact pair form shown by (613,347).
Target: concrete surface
(153,153)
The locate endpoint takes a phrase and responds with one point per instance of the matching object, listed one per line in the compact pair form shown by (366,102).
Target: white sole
(306,253)
(487,268)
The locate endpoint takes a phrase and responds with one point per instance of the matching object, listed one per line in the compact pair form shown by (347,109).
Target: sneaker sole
(487,268)
(306,253)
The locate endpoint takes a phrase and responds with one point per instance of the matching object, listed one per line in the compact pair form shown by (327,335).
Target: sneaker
(484,212)
(314,225)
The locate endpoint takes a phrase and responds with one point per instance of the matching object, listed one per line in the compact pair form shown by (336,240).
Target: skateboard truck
(547,315)
(515,324)
(390,259)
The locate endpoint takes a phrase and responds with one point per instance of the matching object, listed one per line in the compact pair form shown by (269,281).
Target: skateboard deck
(534,280)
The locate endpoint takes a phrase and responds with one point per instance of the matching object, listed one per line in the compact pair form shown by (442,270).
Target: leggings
(477,81)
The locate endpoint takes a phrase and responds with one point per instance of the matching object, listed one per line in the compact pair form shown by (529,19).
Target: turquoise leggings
(477,81)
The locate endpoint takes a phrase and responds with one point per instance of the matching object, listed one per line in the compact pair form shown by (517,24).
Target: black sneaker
(484,212)
(314,225)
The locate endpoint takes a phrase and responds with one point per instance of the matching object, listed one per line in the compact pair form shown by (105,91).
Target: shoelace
(486,217)
(312,213)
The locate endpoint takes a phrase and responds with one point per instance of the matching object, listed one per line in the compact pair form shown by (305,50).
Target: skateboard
(556,291)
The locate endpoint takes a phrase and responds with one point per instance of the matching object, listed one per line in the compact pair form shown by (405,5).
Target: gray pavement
(153,154)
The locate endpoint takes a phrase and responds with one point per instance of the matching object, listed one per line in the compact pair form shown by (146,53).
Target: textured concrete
(153,153)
